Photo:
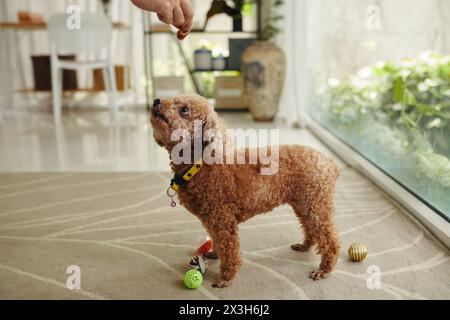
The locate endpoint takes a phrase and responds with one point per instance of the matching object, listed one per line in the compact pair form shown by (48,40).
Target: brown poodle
(224,195)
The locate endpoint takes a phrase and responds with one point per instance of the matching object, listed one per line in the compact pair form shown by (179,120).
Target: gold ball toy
(357,252)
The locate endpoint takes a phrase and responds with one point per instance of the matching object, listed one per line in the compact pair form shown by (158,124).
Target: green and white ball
(193,279)
(199,263)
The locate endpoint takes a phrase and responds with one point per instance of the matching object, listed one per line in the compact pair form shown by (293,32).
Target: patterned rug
(114,236)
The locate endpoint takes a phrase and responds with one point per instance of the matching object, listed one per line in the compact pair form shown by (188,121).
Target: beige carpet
(129,244)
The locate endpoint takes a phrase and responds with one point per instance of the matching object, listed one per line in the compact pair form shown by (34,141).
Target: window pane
(380,78)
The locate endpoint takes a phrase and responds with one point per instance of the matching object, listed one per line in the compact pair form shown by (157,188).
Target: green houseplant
(235,11)
(398,114)
(106,6)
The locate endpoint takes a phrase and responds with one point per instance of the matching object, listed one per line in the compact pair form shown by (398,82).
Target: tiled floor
(86,141)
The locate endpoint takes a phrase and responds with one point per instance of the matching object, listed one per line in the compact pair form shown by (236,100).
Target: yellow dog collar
(177,181)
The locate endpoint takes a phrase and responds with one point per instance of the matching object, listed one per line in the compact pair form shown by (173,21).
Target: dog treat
(357,252)
(205,245)
(199,263)
(193,279)
(182,34)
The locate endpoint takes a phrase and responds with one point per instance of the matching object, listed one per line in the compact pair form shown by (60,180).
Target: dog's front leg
(211,255)
(226,245)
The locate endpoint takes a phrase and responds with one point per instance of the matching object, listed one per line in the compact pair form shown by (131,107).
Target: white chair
(93,38)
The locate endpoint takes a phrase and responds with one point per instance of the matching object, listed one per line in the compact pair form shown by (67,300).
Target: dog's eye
(184,110)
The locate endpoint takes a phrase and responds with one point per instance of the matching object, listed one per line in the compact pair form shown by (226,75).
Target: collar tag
(178,181)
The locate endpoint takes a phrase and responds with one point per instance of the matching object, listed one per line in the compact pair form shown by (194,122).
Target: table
(9,53)
(43,25)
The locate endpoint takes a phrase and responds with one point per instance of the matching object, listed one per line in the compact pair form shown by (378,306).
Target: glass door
(380,81)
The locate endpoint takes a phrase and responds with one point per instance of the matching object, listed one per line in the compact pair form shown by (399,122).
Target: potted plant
(234,11)
(264,65)
(237,16)
(106,6)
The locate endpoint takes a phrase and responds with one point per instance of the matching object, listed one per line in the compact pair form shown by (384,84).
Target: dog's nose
(156,102)
(157,106)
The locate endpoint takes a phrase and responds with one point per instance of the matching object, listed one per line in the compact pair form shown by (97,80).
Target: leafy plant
(401,109)
(106,5)
(269,25)
(434,166)
(268,12)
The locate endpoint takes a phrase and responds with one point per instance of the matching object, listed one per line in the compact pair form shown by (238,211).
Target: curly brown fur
(305,180)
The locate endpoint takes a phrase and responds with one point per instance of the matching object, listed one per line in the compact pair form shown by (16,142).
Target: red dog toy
(205,245)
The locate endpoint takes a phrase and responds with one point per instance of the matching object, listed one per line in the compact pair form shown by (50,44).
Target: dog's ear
(213,130)
(210,121)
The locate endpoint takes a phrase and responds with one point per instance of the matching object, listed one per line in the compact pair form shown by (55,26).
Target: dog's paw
(211,255)
(300,247)
(221,284)
(318,274)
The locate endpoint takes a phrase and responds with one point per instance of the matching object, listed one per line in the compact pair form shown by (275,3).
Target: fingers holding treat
(178,16)
(184,30)
(188,14)
(181,35)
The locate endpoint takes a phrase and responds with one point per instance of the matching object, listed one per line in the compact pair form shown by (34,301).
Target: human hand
(176,12)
